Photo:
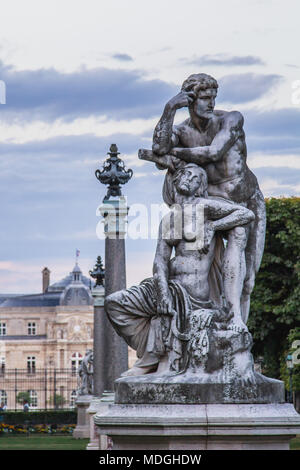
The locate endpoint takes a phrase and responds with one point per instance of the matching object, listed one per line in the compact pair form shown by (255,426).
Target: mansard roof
(78,293)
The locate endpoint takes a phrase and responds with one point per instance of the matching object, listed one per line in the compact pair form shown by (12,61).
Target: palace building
(43,339)
(42,334)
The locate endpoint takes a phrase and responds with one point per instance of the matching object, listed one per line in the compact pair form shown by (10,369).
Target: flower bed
(36,429)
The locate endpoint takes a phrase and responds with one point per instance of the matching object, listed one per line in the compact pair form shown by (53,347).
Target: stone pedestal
(199,427)
(189,388)
(82,429)
(98,406)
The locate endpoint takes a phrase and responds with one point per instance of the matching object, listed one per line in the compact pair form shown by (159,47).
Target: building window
(2,329)
(2,365)
(73,397)
(3,397)
(33,398)
(31,328)
(76,360)
(31,364)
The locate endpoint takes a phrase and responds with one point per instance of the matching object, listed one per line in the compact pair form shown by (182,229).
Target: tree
(23,396)
(57,400)
(294,349)
(275,301)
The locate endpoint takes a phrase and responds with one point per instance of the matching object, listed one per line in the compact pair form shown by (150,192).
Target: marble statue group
(188,323)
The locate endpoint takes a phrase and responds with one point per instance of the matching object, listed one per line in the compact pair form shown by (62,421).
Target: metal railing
(48,388)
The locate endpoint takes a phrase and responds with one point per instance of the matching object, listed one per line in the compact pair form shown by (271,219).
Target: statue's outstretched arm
(223,141)
(225,216)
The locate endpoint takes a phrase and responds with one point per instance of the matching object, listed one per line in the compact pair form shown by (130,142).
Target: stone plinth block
(82,429)
(189,388)
(98,405)
(199,427)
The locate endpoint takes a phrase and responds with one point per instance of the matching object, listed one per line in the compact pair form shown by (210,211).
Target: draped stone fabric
(133,313)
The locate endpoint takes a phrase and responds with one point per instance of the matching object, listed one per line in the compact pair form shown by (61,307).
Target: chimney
(46,279)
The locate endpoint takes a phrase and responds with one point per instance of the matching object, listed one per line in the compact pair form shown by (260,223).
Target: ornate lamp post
(114,210)
(290,367)
(98,273)
(113,173)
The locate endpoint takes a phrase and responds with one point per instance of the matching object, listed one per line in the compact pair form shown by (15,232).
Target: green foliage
(57,400)
(275,301)
(23,396)
(40,417)
(293,336)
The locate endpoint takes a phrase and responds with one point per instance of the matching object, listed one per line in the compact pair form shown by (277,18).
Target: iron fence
(43,388)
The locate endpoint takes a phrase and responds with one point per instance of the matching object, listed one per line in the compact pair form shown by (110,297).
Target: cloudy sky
(82,74)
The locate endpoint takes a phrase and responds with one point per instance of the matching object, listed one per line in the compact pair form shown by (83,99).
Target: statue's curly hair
(199,81)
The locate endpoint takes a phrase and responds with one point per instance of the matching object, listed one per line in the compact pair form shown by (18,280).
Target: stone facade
(60,333)
(55,327)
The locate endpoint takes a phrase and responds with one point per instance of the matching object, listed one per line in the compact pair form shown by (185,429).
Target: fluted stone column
(113,347)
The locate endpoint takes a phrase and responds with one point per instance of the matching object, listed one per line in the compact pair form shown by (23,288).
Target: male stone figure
(215,140)
(180,286)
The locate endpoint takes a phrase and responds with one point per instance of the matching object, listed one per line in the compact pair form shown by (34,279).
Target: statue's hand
(182,100)
(165,304)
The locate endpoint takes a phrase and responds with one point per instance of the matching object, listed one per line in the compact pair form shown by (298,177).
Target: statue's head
(191,180)
(205,88)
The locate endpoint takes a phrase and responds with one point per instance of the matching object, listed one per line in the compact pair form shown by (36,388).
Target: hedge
(39,417)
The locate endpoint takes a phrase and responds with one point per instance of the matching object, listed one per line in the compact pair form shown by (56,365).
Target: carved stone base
(189,388)
(82,429)
(98,405)
(199,427)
